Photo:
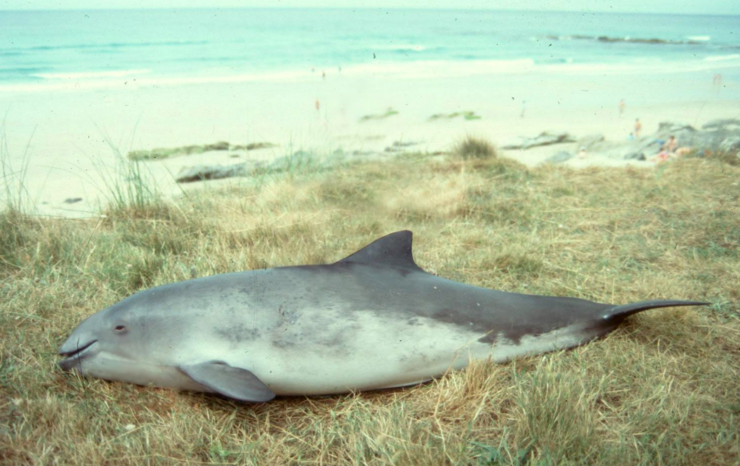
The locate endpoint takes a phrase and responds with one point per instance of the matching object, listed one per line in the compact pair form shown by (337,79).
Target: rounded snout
(81,342)
(78,345)
(75,350)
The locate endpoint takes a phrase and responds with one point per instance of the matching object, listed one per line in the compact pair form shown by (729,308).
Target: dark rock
(731,144)
(729,123)
(221,145)
(261,145)
(665,127)
(388,113)
(398,146)
(404,143)
(72,200)
(635,156)
(544,139)
(213,172)
(720,138)
(300,160)
(560,157)
(587,142)
(688,136)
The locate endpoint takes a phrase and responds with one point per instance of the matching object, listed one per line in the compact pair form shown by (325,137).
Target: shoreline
(144,78)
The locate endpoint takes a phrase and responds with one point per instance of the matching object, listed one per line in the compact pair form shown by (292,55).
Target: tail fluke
(620,312)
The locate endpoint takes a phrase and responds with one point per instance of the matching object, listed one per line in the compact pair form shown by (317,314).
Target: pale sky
(721,7)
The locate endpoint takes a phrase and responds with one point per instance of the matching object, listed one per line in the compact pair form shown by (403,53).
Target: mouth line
(78,351)
(74,358)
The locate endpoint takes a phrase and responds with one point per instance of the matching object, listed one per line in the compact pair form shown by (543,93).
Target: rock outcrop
(213,172)
(543,139)
(560,157)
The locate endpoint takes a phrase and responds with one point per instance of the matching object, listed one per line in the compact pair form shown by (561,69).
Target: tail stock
(625,310)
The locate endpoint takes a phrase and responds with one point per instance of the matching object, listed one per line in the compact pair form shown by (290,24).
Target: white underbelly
(375,351)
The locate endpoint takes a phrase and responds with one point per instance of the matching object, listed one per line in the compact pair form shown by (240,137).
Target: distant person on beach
(524,108)
(717,81)
(621,107)
(670,145)
(638,128)
(582,153)
(667,150)
(631,137)
(317,105)
(661,157)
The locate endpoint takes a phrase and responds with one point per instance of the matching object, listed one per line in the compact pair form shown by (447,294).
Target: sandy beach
(69,135)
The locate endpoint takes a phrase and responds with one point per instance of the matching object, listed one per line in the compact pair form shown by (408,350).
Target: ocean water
(43,49)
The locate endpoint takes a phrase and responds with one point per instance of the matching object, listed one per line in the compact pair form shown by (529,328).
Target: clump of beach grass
(167,152)
(475,148)
(127,185)
(661,390)
(16,195)
(467,115)
(160,153)
(380,116)
(730,157)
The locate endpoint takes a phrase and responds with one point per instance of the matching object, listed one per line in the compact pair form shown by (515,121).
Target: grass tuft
(475,148)
(16,195)
(127,185)
(730,158)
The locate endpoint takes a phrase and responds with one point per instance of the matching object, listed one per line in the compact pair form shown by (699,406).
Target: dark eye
(120,328)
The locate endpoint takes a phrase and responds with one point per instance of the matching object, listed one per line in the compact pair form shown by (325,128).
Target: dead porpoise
(372,320)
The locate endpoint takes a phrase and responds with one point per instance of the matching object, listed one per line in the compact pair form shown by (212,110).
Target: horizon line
(532,10)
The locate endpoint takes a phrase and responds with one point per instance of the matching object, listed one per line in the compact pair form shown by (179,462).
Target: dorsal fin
(393,250)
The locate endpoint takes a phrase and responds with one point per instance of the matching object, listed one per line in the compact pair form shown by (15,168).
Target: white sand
(67,128)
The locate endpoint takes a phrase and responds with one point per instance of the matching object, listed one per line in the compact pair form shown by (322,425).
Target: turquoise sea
(40,48)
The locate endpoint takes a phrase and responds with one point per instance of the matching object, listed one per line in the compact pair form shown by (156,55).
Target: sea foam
(401,47)
(91,74)
(722,57)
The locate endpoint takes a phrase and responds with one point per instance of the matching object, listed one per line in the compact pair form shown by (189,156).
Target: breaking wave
(402,47)
(694,40)
(722,57)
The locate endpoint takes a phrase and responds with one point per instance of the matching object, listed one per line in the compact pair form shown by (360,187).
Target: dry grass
(475,148)
(661,390)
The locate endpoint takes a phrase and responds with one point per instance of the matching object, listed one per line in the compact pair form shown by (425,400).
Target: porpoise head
(129,342)
(162,337)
